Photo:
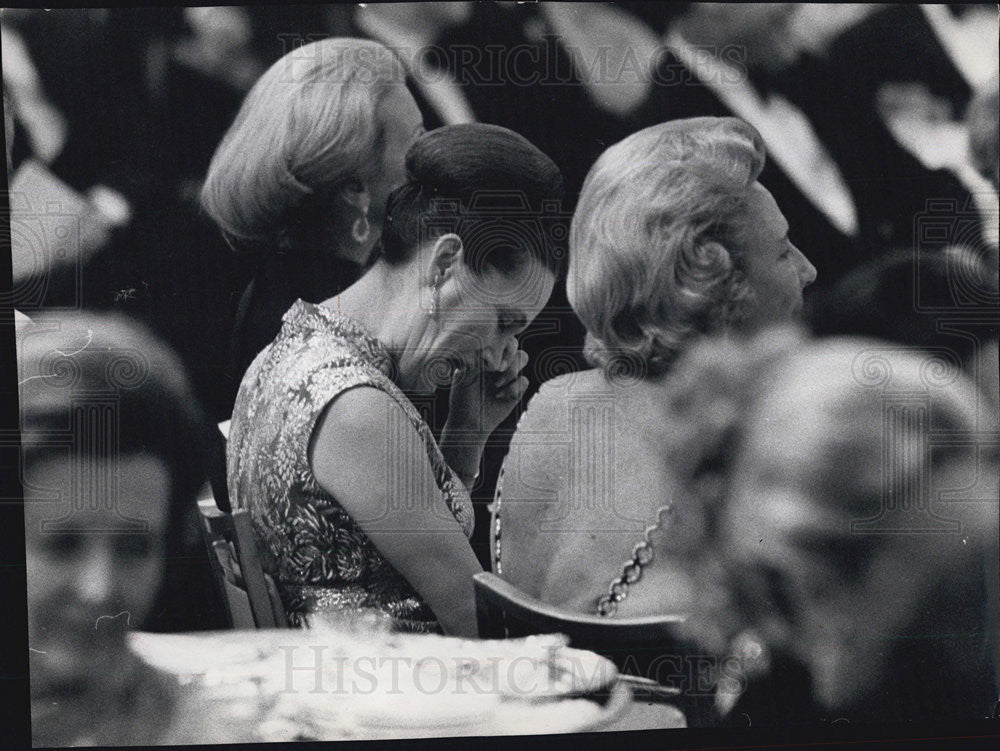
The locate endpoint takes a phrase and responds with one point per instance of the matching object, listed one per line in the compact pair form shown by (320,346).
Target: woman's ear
(355,194)
(446,252)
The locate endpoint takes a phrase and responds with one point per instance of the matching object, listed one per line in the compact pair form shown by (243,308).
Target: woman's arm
(365,453)
(463,452)
(479,401)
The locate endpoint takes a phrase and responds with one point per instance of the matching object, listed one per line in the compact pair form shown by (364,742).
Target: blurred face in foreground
(89,579)
(834,592)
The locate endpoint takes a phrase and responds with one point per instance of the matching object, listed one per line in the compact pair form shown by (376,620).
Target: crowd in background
(134,102)
(879,122)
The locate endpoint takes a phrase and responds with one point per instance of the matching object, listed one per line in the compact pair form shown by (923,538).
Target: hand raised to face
(481,399)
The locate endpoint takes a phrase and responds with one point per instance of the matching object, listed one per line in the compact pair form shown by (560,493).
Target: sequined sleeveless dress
(319,557)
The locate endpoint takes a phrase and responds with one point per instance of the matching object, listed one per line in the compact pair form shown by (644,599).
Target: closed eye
(788,248)
(512,321)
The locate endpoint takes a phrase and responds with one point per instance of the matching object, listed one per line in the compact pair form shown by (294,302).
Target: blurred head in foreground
(834,512)
(110,439)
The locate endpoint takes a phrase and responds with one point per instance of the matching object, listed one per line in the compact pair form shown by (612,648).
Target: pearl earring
(436,300)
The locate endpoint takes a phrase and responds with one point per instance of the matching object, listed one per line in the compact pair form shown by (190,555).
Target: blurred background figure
(944,303)
(840,164)
(904,76)
(220,45)
(414,32)
(105,521)
(54,168)
(815,25)
(878,582)
(8,127)
(981,119)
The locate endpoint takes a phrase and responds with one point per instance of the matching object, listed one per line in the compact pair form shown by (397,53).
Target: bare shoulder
(364,414)
(547,410)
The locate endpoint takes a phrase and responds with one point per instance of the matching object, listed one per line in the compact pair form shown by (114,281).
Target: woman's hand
(480,399)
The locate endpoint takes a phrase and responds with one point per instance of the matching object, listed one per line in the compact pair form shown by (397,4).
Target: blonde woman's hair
(308,125)
(655,253)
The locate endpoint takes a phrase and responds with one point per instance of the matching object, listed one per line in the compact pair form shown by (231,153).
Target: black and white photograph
(501,374)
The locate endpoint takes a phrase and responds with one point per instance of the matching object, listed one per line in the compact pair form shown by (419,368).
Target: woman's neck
(385,301)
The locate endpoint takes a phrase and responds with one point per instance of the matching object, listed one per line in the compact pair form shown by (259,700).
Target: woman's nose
(493,356)
(95,580)
(807,272)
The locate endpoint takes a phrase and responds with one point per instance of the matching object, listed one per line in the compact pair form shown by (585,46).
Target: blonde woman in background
(299,183)
(673,238)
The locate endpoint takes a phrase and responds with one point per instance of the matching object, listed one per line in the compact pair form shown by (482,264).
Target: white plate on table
(329,685)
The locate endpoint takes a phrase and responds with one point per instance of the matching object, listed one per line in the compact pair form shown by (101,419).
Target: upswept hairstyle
(66,362)
(487,184)
(307,126)
(655,240)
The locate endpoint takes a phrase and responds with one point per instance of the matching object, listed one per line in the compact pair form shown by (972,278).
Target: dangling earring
(361,229)
(436,299)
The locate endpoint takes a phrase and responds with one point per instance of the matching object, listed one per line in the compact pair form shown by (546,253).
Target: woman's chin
(61,667)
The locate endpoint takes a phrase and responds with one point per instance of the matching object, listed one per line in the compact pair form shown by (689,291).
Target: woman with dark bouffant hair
(355,504)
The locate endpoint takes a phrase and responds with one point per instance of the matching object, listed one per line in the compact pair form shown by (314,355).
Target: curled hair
(487,184)
(654,244)
(308,125)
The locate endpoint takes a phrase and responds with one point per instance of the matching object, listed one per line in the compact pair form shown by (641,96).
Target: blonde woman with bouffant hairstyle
(655,254)
(673,238)
(299,183)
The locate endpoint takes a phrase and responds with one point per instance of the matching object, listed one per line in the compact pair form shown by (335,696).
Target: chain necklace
(642,555)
